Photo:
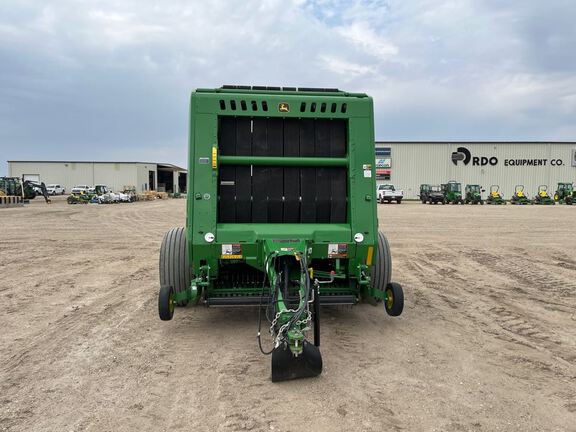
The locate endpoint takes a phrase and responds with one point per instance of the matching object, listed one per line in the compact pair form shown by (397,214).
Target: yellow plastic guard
(214,158)
(369,256)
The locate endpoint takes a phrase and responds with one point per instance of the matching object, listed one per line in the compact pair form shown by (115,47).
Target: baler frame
(317,145)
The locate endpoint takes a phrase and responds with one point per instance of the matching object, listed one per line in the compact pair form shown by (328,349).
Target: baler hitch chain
(292,356)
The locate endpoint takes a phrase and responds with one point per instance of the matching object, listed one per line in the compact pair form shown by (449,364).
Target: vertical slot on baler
(275,183)
(260,175)
(243,201)
(227,174)
(291,174)
(307,176)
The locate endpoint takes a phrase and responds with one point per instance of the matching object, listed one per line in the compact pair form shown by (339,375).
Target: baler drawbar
(281,215)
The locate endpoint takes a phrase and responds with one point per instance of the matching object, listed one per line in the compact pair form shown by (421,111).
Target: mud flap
(285,366)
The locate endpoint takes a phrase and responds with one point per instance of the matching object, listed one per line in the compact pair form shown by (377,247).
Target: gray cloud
(111,79)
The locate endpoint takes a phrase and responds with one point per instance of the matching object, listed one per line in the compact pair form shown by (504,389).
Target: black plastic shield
(285,366)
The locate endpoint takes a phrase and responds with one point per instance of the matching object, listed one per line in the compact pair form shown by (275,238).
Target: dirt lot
(487,340)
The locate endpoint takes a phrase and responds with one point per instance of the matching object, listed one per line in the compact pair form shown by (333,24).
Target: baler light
(209,237)
(358,237)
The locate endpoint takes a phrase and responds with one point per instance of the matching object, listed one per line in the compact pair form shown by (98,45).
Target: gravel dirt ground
(487,340)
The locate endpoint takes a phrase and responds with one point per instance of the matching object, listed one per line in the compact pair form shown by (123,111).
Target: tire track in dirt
(502,317)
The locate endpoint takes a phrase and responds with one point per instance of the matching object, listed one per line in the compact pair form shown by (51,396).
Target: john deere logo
(461,154)
(283,107)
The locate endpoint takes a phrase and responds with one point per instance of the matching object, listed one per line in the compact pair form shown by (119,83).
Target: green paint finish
(206,105)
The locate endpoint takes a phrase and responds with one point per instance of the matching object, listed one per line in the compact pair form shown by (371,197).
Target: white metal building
(409,164)
(116,175)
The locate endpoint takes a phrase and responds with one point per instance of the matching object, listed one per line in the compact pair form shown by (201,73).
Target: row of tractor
(451,193)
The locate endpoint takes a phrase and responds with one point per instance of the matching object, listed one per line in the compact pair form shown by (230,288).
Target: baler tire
(396,305)
(174,264)
(165,303)
(382,270)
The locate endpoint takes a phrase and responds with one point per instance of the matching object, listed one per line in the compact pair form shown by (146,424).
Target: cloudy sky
(110,79)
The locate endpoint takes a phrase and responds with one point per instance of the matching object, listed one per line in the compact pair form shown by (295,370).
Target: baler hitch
(293,356)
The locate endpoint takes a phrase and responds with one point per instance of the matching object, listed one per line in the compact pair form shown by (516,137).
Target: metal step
(255,300)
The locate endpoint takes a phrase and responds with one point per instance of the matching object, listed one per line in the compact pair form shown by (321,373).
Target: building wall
(415,163)
(143,178)
(70,174)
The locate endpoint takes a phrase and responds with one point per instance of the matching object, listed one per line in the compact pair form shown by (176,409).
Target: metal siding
(115,175)
(417,163)
(70,174)
(142,176)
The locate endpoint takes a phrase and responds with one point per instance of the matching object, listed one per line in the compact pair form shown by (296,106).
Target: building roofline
(97,162)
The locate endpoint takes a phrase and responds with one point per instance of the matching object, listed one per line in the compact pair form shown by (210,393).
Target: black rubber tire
(399,201)
(165,303)
(174,266)
(397,305)
(382,269)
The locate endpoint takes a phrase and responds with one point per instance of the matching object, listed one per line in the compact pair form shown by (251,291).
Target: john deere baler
(281,214)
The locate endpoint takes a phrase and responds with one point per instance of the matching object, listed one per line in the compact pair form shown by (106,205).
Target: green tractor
(473,194)
(565,194)
(281,216)
(519,197)
(495,197)
(452,192)
(542,197)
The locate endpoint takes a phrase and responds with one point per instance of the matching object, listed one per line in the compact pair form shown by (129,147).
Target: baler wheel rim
(394,290)
(389,298)
(166,303)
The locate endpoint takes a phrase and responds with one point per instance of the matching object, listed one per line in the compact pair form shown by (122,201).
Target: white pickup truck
(77,190)
(55,189)
(388,193)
